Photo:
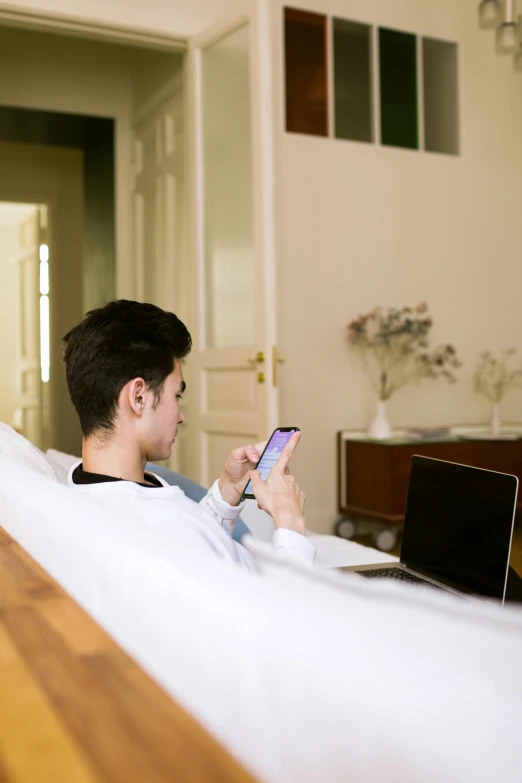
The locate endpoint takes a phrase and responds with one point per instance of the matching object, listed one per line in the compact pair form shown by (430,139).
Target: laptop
(457,530)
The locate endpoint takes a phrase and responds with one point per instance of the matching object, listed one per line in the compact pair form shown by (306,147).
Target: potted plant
(394,349)
(494,378)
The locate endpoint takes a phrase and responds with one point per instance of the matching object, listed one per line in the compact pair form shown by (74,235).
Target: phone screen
(269,457)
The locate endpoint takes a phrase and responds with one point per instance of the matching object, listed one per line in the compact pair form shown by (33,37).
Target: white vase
(380,428)
(496,424)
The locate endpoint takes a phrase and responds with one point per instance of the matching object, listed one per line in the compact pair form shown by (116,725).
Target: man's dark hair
(112,346)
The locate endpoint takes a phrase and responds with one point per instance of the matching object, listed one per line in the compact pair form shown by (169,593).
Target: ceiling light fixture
(490,14)
(502,15)
(508,33)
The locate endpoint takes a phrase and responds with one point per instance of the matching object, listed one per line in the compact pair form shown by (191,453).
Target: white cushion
(61,463)
(429,686)
(302,677)
(18,449)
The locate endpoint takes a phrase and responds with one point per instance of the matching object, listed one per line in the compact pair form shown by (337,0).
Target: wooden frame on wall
(394,88)
(306,72)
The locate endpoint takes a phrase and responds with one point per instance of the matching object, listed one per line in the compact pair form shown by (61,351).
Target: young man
(123,368)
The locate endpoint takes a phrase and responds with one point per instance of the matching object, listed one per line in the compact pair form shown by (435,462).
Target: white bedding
(304,676)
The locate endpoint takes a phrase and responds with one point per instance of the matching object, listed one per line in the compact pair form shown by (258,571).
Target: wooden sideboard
(373,475)
(74,708)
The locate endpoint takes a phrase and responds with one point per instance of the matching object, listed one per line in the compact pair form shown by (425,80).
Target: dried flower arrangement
(393,345)
(494,376)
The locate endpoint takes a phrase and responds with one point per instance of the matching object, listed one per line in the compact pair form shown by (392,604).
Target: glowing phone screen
(270,455)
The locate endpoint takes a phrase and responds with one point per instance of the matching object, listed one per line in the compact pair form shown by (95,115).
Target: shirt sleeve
(290,545)
(223,512)
(286,544)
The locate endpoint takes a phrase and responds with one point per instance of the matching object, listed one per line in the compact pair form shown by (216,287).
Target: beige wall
(9,320)
(361,225)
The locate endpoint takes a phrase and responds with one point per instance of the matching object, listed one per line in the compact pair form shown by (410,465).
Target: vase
(496,424)
(380,428)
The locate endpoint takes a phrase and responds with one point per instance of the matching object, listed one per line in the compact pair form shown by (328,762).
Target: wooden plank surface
(74,708)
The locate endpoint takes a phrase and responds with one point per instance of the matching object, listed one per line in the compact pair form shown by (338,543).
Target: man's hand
(280,495)
(239,464)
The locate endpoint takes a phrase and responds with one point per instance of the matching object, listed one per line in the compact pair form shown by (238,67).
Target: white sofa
(303,675)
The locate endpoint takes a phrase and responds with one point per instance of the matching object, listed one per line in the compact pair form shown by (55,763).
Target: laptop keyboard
(396,573)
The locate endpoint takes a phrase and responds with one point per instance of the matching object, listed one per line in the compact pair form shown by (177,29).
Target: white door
(158,214)
(30,382)
(157,172)
(232,394)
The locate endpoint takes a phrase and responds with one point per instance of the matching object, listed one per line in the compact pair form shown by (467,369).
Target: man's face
(159,427)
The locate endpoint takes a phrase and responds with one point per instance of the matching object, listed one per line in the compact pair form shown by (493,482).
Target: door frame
(70,26)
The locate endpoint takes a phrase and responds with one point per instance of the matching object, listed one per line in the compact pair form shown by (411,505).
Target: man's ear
(136,395)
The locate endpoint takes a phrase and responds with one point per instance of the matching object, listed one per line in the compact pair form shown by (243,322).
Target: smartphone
(278,440)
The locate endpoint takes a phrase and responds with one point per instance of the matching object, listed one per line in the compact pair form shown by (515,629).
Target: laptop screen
(458,525)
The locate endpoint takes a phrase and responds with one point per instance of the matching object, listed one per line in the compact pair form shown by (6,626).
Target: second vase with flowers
(394,349)
(494,377)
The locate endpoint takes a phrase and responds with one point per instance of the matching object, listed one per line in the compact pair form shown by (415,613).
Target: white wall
(9,322)
(361,225)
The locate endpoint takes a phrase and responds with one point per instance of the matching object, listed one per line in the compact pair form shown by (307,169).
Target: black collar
(81,476)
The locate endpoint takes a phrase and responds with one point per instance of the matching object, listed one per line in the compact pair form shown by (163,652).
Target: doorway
(24,308)
(94,136)
(50,259)
(92,100)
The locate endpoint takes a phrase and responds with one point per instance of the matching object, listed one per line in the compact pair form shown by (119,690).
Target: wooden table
(74,708)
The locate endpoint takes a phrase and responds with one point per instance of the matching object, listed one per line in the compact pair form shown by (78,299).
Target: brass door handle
(277,358)
(259,358)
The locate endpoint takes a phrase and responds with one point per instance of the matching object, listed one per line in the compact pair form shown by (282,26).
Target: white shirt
(208,524)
